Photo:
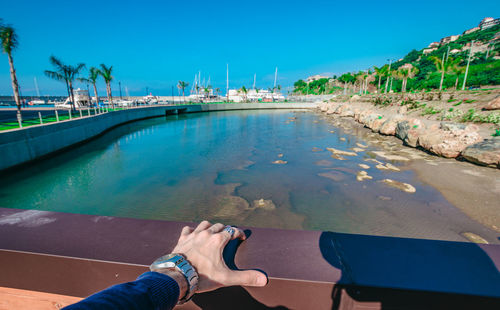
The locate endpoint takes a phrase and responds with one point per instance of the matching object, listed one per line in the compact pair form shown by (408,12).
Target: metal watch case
(179,262)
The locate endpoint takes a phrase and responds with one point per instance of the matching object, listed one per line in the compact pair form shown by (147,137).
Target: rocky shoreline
(446,139)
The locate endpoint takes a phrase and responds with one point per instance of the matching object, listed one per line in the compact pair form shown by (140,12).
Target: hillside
(423,69)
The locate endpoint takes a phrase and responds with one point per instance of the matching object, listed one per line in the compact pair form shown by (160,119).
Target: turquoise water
(219,166)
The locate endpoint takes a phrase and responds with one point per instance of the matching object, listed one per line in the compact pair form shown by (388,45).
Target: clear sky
(156,43)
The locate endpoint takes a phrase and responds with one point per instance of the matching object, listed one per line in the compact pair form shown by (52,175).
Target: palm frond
(8,38)
(55,75)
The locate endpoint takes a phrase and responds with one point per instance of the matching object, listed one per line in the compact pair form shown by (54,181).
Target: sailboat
(36,101)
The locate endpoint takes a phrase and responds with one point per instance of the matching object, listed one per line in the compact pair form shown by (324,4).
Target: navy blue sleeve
(151,290)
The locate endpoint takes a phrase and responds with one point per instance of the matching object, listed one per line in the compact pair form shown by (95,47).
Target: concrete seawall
(21,146)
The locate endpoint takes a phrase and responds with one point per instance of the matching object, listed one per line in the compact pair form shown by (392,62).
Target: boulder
(493,104)
(486,153)
(345,110)
(452,126)
(447,143)
(355,98)
(377,123)
(409,131)
(389,126)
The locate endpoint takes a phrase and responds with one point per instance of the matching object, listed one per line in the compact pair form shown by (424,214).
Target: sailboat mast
(227,82)
(275,77)
(254,76)
(36,87)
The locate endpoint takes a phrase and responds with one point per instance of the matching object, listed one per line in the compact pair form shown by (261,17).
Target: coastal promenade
(19,146)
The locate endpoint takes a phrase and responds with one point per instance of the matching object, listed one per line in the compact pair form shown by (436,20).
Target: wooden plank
(11,298)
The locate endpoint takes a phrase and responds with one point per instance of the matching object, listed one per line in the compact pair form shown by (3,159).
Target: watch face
(166,261)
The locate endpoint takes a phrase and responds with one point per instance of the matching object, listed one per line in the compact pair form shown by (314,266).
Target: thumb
(246,278)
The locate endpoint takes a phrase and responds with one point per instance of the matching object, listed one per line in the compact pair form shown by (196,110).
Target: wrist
(179,278)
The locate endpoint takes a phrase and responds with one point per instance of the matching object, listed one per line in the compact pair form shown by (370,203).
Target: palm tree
(244,90)
(92,79)
(380,72)
(456,69)
(9,43)
(182,85)
(105,72)
(406,72)
(441,66)
(217,91)
(65,73)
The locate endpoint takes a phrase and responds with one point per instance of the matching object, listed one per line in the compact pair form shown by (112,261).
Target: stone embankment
(450,140)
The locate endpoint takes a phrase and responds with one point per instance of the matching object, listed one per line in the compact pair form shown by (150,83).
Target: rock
(280,162)
(331,109)
(389,126)
(364,166)
(357,149)
(472,237)
(355,98)
(336,176)
(493,104)
(335,156)
(363,175)
(390,156)
(409,131)
(452,126)
(342,139)
(377,123)
(280,155)
(447,143)
(486,153)
(400,185)
(332,131)
(317,149)
(403,110)
(361,145)
(263,204)
(340,152)
(387,166)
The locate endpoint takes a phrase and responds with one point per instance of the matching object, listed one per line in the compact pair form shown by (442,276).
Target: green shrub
(430,111)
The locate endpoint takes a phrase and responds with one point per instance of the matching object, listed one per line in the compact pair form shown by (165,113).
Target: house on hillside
(471,30)
(429,50)
(488,22)
(433,44)
(449,39)
(316,77)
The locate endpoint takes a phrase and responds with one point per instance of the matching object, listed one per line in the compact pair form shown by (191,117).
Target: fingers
(246,278)
(186,230)
(203,226)
(216,228)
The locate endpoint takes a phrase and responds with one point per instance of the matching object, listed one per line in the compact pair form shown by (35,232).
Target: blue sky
(156,43)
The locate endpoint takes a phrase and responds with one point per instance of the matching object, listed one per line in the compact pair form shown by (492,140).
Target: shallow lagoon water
(219,166)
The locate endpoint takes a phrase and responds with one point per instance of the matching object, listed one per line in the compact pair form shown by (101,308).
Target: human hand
(203,248)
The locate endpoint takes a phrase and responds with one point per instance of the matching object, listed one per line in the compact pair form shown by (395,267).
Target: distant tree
(182,86)
(65,73)
(9,43)
(217,91)
(380,72)
(405,72)
(443,67)
(244,90)
(456,69)
(105,72)
(92,79)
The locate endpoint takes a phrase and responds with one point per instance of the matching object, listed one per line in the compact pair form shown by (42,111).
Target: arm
(203,248)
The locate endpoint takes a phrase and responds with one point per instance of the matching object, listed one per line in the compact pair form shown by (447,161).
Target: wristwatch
(178,262)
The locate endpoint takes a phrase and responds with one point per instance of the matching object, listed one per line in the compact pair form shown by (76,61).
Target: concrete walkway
(19,146)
